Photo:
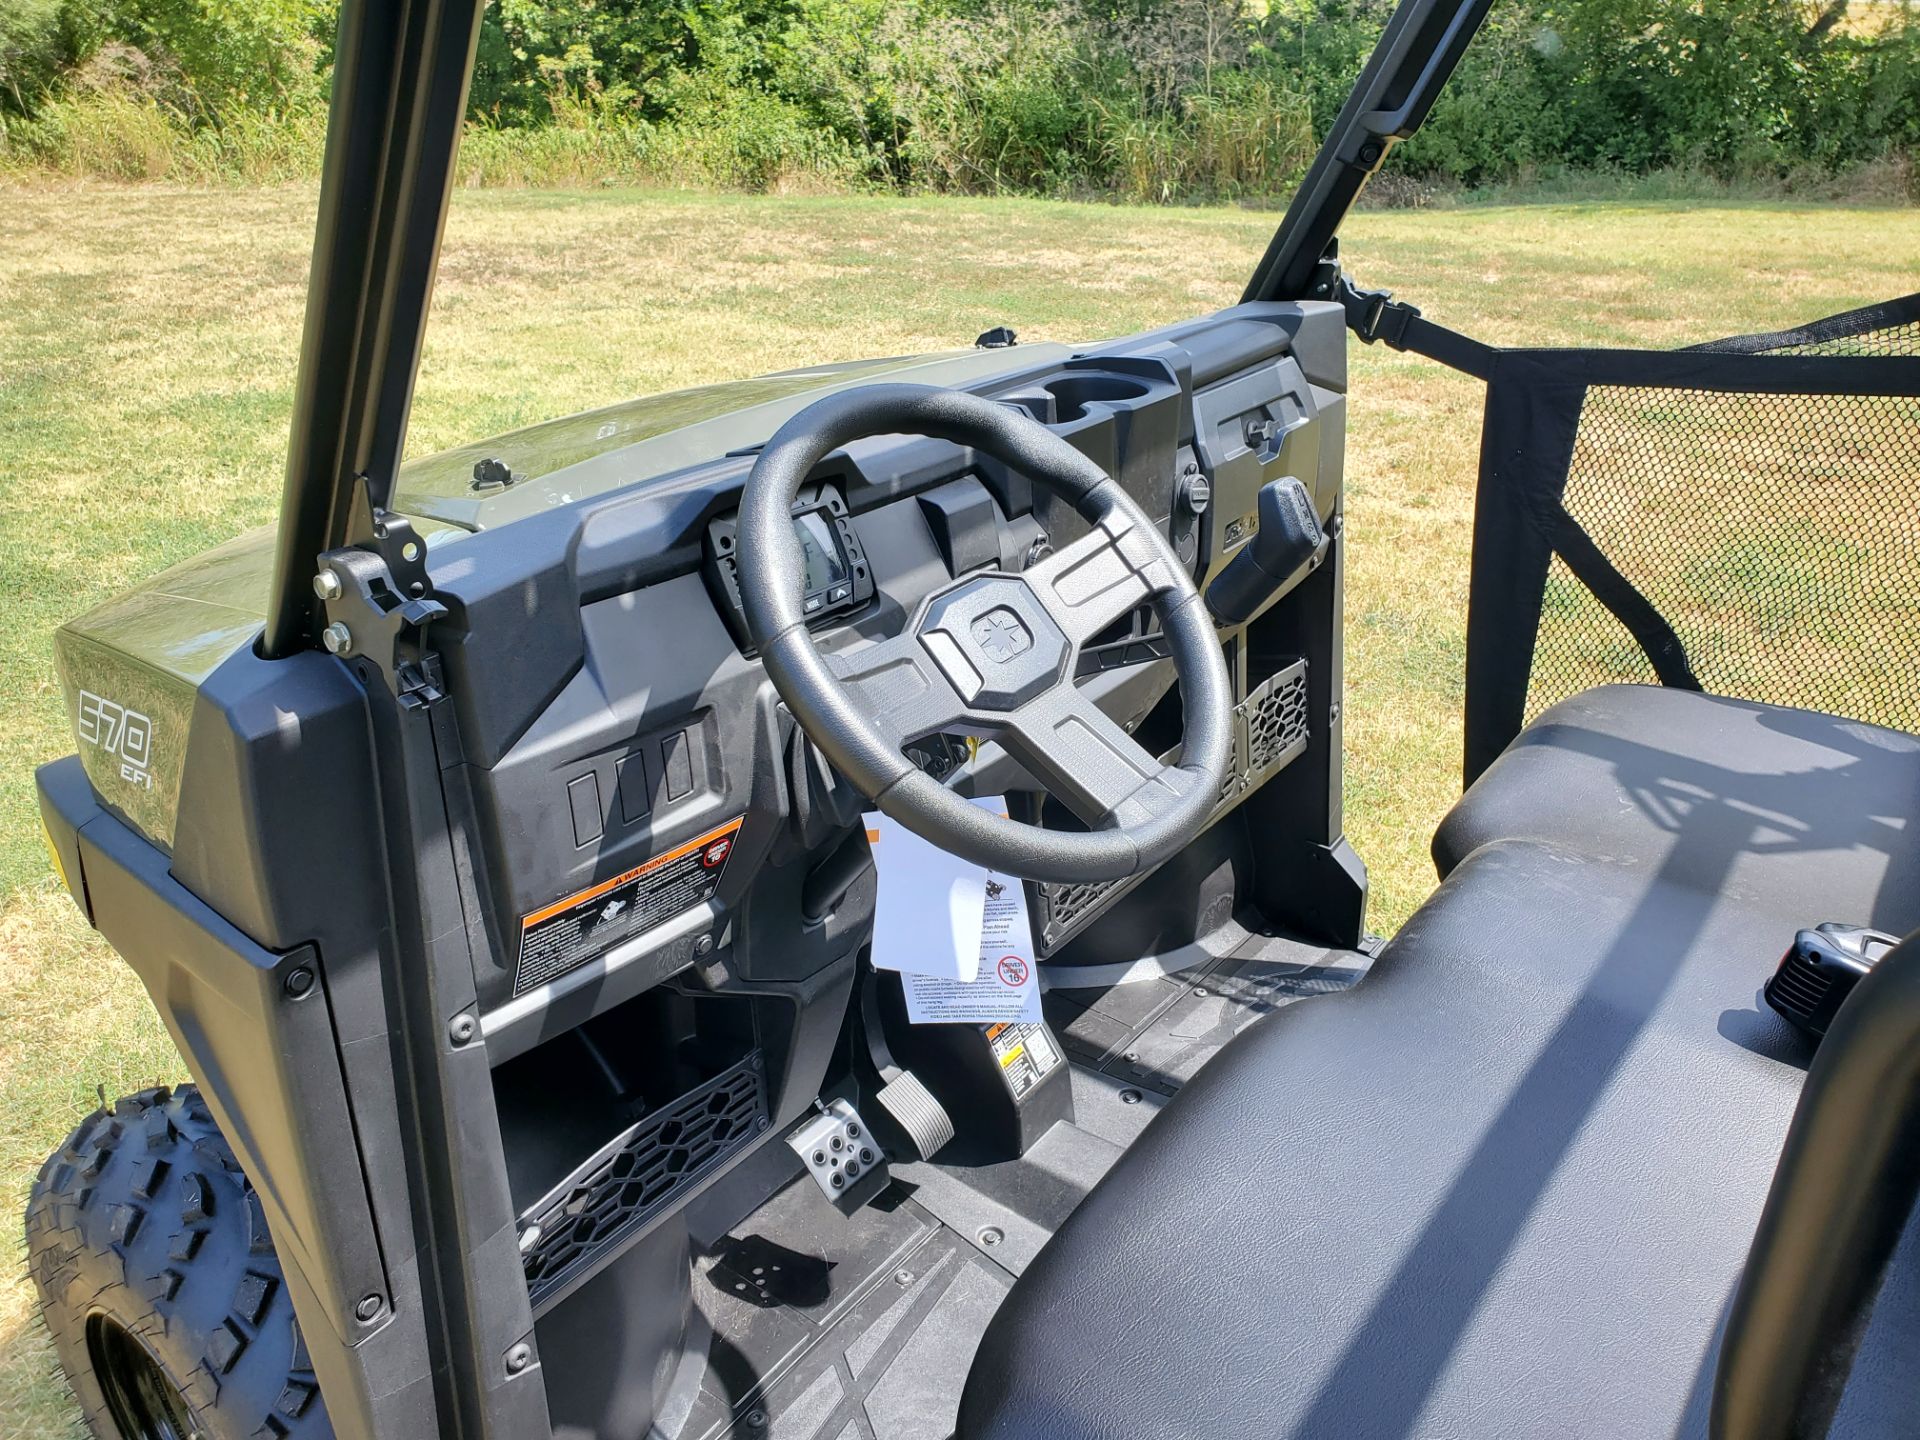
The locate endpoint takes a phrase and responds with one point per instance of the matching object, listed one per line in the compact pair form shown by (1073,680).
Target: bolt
(903,1277)
(338,639)
(299,981)
(1129,1097)
(703,946)
(992,1236)
(765,1122)
(327,585)
(1201,991)
(519,1357)
(756,1419)
(462,1029)
(369,1308)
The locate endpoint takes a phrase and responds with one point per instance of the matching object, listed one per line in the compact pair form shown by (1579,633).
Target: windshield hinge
(369,616)
(392,538)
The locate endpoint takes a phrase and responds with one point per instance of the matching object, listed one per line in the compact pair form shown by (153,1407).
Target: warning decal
(568,933)
(1025,1054)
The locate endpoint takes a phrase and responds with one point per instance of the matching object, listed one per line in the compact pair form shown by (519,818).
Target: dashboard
(612,711)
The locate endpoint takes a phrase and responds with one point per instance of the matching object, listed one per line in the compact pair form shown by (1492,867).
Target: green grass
(147,346)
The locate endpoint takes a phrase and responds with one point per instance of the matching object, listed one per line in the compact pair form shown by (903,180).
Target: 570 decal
(125,735)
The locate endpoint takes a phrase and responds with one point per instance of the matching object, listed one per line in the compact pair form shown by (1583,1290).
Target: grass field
(147,345)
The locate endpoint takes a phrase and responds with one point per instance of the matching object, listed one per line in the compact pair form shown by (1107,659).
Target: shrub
(1149,100)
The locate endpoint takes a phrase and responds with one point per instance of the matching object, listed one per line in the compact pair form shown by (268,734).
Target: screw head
(703,946)
(327,585)
(992,1236)
(299,981)
(519,1357)
(338,639)
(903,1277)
(462,1029)
(1129,1097)
(756,1419)
(369,1308)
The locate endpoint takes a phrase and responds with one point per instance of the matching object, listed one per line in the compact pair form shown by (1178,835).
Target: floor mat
(862,1327)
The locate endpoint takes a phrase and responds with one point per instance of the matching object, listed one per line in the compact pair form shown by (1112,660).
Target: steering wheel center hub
(995,642)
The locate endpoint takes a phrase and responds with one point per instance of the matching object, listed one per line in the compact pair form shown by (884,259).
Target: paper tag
(927,918)
(1006,987)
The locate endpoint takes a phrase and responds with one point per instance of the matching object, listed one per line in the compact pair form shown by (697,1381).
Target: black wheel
(159,1284)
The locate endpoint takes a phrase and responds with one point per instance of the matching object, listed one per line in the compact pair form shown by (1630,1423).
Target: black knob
(1289,536)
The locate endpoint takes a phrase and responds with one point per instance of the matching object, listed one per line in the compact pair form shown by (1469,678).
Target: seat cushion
(1506,1184)
(1809,814)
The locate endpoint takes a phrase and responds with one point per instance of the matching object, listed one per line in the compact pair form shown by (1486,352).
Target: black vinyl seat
(1504,1186)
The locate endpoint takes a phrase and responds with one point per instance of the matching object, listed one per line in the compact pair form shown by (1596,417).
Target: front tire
(159,1284)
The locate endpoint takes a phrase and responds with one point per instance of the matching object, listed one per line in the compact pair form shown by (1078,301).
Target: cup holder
(1073,393)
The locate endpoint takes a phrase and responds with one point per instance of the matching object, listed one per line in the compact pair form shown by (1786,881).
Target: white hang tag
(927,917)
(1006,987)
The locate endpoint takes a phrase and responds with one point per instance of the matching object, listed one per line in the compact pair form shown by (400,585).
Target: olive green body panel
(129,668)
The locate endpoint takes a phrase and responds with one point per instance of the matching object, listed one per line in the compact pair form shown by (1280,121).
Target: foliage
(1154,100)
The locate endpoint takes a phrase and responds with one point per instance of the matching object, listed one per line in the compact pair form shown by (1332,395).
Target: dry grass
(147,341)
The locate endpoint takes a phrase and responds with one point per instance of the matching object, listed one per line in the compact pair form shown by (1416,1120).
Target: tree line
(1154,100)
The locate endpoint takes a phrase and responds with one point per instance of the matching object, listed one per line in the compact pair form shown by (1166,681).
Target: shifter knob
(1288,537)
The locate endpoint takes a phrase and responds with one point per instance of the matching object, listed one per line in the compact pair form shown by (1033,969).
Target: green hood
(129,668)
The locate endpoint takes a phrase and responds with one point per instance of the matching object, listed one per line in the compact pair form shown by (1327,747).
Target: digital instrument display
(825,565)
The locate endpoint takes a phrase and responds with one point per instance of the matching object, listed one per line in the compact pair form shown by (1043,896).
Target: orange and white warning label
(568,933)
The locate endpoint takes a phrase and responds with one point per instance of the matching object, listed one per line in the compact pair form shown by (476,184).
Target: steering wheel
(993,654)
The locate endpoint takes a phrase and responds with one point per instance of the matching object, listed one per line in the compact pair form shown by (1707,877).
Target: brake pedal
(841,1155)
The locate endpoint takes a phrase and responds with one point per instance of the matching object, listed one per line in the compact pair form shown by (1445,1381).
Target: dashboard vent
(1276,721)
(591,1215)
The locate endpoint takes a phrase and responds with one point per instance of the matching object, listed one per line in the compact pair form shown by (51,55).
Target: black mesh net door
(1742,517)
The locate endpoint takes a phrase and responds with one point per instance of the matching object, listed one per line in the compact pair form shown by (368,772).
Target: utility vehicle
(493,847)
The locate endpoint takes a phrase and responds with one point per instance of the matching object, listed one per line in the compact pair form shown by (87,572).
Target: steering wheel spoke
(1101,577)
(1086,760)
(902,691)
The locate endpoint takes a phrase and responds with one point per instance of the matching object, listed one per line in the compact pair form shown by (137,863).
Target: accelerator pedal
(911,1106)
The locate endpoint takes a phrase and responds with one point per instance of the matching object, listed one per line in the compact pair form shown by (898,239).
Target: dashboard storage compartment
(614,1125)
(638,1175)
